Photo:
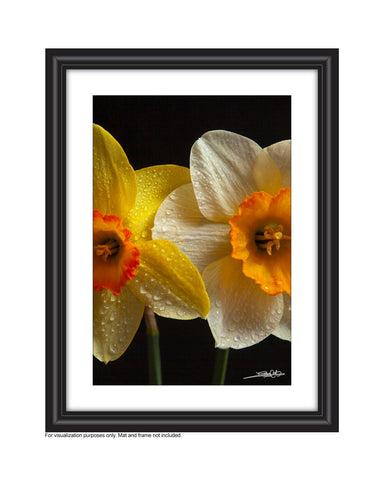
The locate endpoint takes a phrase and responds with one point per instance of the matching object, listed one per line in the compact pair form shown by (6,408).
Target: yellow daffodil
(130,270)
(234,223)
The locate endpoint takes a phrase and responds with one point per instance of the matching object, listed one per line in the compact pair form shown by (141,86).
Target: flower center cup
(115,258)
(261,239)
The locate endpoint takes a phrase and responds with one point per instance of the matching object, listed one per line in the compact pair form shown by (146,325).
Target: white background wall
(27,28)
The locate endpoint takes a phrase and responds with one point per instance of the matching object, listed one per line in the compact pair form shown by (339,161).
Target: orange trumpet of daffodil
(234,222)
(130,269)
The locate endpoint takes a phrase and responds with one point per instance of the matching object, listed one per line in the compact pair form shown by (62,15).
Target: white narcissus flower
(234,223)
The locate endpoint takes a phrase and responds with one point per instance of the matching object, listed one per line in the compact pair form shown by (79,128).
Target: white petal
(281,154)
(283,330)
(222,172)
(180,221)
(115,322)
(241,314)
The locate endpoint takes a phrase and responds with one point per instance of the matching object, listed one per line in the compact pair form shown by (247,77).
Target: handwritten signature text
(265,374)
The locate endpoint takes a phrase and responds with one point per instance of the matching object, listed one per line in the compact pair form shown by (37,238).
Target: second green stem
(220,368)
(154,359)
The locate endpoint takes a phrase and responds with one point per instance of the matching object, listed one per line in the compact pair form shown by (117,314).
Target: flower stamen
(109,248)
(270,238)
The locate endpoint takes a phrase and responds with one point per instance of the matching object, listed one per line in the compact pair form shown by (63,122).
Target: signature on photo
(265,374)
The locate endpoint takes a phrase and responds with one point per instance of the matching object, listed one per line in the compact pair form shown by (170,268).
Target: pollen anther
(270,238)
(109,248)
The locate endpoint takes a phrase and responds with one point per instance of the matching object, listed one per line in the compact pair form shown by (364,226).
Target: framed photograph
(207,183)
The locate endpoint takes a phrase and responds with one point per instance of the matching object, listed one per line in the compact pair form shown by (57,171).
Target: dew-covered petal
(283,330)
(281,154)
(179,220)
(114,180)
(266,174)
(241,314)
(154,184)
(115,322)
(168,282)
(225,169)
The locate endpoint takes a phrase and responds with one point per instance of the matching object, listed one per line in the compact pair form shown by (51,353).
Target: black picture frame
(58,417)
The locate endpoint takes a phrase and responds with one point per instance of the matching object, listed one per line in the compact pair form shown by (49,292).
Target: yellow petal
(154,184)
(168,282)
(115,322)
(114,181)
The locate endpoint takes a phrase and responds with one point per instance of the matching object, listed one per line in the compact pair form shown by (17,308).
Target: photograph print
(192,240)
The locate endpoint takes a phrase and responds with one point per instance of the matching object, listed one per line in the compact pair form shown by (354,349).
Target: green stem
(220,369)
(154,360)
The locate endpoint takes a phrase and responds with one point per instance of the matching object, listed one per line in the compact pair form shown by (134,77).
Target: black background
(161,130)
